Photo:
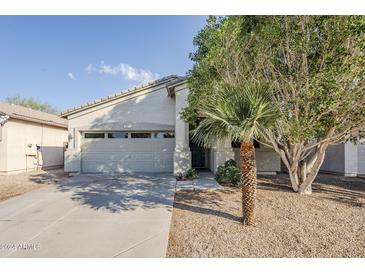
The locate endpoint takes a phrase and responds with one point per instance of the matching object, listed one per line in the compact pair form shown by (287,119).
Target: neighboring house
(345,159)
(30,139)
(140,130)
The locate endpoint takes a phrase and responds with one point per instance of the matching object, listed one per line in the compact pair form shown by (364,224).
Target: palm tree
(243,114)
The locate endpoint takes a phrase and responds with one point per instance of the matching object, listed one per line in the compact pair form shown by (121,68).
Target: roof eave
(171,87)
(38,121)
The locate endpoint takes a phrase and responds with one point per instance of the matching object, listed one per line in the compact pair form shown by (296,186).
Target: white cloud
(90,68)
(128,72)
(71,76)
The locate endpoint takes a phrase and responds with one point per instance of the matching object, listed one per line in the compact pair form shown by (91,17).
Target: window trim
(127,133)
(164,132)
(130,134)
(84,135)
(142,132)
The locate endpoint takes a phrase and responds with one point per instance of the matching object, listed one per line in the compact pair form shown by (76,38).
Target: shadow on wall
(121,192)
(146,112)
(52,156)
(154,111)
(126,155)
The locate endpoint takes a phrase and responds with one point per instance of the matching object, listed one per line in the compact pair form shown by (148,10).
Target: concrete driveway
(90,216)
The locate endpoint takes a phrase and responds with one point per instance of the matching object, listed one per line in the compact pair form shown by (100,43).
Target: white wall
(221,151)
(351,158)
(361,159)
(334,161)
(345,159)
(182,153)
(150,109)
(3,150)
(21,133)
(267,160)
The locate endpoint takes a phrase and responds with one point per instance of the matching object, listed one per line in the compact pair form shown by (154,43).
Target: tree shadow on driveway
(120,192)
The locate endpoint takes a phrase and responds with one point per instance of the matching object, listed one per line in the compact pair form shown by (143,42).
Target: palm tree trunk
(248,181)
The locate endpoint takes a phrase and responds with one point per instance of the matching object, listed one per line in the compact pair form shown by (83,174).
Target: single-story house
(140,130)
(30,139)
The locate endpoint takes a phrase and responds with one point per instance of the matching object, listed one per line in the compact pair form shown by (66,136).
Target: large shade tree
(242,113)
(316,67)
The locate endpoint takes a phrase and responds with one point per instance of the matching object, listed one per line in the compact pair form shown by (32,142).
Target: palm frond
(239,113)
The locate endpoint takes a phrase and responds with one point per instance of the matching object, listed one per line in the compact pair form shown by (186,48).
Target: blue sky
(69,60)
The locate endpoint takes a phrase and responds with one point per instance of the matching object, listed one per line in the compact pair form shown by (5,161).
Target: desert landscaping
(16,184)
(328,223)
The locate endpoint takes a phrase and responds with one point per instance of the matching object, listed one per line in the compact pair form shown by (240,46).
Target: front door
(197,155)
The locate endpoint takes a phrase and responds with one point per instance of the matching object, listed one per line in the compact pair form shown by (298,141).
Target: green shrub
(230,162)
(228,173)
(190,174)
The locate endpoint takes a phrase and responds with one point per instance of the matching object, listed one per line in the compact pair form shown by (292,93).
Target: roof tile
(28,114)
(170,78)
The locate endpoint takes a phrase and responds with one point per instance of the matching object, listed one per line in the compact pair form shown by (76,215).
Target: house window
(94,135)
(119,135)
(141,135)
(164,135)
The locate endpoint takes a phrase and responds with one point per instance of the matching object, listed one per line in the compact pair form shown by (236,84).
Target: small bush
(230,162)
(228,173)
(190,174)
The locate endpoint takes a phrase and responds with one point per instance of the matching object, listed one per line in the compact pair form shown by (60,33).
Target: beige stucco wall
(182,153)
(344,159)
(267,160)
(334,161)
(361,159)
(3,149)
(19,157)
(150,109)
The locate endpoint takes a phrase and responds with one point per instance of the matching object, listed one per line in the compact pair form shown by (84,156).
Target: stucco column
(73,152)
(223,151)
(182,153)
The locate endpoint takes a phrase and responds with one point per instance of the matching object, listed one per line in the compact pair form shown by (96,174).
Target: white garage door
(128,152)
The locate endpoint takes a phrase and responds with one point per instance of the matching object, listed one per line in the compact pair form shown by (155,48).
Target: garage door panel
(128,155)
(140,156)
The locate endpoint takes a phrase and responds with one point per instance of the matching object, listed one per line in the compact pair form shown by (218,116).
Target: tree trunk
(311,173)
(248,181)
(302,173)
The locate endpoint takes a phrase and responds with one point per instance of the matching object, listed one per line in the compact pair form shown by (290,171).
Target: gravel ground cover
(328,223)
(16,184)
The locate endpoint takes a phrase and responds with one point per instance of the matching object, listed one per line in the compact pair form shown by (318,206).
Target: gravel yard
(328,223)
(16,184)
